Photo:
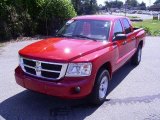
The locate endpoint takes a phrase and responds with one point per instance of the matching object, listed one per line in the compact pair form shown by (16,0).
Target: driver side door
(121,44)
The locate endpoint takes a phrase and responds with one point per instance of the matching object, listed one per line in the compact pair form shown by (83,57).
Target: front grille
(42,69)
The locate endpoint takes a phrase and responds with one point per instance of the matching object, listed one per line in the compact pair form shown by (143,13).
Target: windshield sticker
(106,24)
(69,22)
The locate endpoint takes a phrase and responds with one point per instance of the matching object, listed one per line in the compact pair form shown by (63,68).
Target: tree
(30,17)
(157,2)
(113,4)
(77,5)
(116,4)
(107,5)
(132,3)
(4,30)
(85,6)
(142,6)
(54,14)
(93,6)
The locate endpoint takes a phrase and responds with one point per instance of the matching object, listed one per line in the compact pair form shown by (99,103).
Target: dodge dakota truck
(80,60)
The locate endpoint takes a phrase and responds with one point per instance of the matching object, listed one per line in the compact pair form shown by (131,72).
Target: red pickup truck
(80,60)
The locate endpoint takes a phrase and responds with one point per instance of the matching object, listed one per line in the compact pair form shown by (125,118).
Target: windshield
(86,29)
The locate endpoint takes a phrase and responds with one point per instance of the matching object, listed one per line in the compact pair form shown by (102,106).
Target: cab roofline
(99,17)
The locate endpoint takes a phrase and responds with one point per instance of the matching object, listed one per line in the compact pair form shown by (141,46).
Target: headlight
(79,69)
(20,61)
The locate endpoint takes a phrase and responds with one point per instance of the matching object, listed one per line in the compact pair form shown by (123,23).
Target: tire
(99,92)
(137,56)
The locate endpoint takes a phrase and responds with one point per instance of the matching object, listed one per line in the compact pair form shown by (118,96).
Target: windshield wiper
(82,36)
(62,35)
(79,36)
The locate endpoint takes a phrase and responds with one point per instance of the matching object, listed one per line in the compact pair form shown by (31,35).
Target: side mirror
(120,37)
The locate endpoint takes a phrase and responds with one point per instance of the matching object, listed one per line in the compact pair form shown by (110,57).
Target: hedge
(31,17)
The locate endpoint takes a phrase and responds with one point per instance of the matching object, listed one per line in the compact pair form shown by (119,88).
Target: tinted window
(127,26)
(117,28)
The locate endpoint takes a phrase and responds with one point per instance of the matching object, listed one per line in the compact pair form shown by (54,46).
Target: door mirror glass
(120,37)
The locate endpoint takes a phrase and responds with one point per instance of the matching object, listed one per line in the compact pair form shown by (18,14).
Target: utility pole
(125,7)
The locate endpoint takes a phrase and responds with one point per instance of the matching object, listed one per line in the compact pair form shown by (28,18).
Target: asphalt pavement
(134,92)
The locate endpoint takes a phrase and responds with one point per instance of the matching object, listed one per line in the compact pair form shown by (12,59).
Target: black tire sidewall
(139,49)
(135,60)
(95,92)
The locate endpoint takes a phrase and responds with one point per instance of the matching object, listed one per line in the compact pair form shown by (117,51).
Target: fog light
(77,89)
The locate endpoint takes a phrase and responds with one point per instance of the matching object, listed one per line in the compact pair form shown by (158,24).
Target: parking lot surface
(134,92)
(140,16)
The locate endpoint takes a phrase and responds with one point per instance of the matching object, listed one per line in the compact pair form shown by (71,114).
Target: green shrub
(54,14)
(151,32)
(156,33)
(147,29)
(152,27)
(31,17)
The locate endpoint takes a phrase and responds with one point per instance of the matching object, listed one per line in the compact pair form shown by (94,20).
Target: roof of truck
(99,17)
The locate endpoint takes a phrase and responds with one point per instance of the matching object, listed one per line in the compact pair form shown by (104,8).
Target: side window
(117,28)
(127,26)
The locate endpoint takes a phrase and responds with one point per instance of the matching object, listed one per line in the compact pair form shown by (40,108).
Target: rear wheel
(137,56)
(99,91)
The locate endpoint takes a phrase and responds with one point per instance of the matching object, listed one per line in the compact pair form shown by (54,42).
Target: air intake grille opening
(51,66)
(42,69)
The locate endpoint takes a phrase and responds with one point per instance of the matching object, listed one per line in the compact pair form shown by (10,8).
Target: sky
(145,1)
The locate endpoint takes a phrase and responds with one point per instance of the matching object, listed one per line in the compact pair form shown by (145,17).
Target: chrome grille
(42,69)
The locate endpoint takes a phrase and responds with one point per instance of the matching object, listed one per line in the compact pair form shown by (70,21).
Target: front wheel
(137,57)
(99,91)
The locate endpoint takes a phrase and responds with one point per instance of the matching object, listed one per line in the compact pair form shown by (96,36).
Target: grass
(152,27)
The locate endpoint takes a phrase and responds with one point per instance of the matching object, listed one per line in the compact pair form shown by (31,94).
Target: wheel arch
(141,43)
(107,66)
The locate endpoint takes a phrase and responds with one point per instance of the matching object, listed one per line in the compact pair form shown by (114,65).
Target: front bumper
(64,88)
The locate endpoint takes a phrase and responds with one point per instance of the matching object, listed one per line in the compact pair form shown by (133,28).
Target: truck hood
(61,49)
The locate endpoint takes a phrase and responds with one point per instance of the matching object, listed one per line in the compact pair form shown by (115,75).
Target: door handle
(114,45)
(124,42)
(133,38)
